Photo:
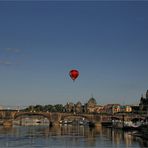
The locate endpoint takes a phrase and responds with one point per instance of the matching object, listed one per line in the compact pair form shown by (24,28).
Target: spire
(92,95)
(68,100)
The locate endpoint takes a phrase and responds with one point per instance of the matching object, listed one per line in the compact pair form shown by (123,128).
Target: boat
(126,125)
(87,123)
(65,122)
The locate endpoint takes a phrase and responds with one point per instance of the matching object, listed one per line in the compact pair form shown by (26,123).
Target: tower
(147,94)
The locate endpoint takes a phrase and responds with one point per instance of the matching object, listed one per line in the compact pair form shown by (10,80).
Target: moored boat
(126,125)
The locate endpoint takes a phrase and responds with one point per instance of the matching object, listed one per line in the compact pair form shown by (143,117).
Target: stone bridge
(8,116)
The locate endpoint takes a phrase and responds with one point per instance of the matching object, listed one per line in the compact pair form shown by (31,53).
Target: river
(67,136)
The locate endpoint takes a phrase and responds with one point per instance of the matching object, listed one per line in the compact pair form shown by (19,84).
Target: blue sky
(40,42)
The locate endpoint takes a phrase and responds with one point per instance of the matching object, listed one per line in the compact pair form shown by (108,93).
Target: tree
(38,108)
(48,108)
(29,109)
(58,107)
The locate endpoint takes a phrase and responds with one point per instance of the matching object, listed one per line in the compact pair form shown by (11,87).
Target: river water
(67,136)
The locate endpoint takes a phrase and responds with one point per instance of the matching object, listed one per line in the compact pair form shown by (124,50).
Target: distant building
(143,105)
(116,108)
(126,108)
(98,109)
(69,107)
(78,107)
(111,108)
(91,105)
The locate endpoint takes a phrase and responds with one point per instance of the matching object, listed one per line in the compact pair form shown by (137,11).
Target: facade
(126,108)
(116,108)
(98,109)
(107,109)
(78,107)
(91,105)
(69,107)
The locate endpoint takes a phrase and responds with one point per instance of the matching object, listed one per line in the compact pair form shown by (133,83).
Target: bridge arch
(31,114)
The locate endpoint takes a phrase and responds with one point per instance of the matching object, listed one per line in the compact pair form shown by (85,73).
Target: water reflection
(67,136)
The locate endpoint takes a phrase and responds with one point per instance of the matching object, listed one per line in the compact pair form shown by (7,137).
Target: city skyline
(42,41)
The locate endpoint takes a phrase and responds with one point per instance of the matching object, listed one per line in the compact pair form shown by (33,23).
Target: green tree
(38,108)
(48,108)
(29,109)
(58,107)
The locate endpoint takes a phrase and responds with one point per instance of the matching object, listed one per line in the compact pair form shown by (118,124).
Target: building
(126,108)
(98,109)
(116,108)
(91,105)
(143,105)
(111,108)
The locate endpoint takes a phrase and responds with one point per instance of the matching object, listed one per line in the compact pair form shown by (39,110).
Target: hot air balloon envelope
(74,74)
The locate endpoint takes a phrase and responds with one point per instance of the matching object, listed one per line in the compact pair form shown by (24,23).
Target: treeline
(45,108)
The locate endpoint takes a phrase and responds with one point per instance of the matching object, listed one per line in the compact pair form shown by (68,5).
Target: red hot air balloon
(74,74)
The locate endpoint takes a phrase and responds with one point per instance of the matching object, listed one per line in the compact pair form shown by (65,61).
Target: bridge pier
(7,123)
(55,123)
(50,124)
(97,124)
